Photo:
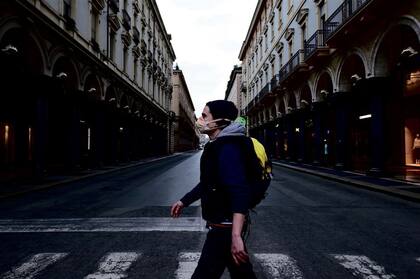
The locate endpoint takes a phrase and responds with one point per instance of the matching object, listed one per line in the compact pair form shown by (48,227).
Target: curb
(365,185)
(78,178)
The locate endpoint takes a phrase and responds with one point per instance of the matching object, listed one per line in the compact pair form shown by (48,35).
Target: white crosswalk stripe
(114,266)
(279,266)
(135,224)
(33,266)
(187,262)
(363,267)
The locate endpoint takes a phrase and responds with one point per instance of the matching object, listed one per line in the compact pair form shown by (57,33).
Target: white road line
(114,266)
(187,264)
(279,266)
(363,267)
(33,266)
(139,224)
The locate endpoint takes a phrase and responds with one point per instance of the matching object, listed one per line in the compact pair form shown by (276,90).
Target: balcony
(315,46)
(136,7)
(136,35)
(126,20)
(143,46)
(342,16)
(69,23)
(98,5)
(114,5)
(296,63)
(274,82)
(95,45)
(114,22)
(136,52)
(126,39)
(243,86)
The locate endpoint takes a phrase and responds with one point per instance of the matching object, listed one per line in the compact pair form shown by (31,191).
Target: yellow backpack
(260,186)
(262,157)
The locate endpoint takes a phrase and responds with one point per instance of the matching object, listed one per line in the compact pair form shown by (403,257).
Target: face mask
(203,127)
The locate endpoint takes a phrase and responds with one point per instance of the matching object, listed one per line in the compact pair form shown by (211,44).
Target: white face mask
(203,125)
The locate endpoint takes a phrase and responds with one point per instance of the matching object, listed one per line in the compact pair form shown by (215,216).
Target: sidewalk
(22,187)
(399,188)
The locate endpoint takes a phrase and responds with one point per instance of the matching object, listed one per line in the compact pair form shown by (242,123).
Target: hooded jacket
(224,187)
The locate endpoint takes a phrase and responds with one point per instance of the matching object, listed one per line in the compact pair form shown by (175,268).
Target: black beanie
(223,109)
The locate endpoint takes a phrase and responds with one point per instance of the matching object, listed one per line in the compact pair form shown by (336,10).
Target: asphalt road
(117,226)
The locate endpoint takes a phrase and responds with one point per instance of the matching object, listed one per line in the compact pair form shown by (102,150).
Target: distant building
(185,136)
(335,83)
(233,91)
(83,83)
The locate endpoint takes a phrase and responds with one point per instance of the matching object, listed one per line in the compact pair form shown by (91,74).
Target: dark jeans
(216,256)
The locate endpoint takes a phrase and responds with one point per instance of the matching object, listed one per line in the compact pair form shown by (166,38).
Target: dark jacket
(224,186)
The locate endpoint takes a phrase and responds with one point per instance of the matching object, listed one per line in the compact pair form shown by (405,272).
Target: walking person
(225,193)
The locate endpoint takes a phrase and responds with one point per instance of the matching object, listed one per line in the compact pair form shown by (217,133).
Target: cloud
(207,36)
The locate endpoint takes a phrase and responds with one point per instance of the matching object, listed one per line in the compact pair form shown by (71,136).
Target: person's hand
(177,209)
(238,250)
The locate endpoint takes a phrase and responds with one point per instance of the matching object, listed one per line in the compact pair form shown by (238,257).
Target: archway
(112,127)
(352,79)
(21,68)
(398,60)
(325,124)
(306,125)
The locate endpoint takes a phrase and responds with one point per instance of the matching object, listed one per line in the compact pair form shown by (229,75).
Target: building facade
(335,83)
(84,84)
(233,90)
(185,136)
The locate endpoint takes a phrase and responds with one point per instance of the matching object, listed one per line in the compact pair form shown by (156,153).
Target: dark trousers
(216,256)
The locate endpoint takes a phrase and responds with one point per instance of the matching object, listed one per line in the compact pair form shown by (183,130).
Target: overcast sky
(207,36)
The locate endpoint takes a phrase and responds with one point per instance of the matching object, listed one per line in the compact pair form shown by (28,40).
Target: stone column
(40,136)
(317,116)
(341,103)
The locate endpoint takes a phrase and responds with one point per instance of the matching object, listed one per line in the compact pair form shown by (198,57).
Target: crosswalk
(117,265)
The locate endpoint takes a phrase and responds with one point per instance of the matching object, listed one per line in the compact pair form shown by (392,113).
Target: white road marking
(139,224)
(279,266)
(33,266)
(187,264)
(114,266)
(363,267)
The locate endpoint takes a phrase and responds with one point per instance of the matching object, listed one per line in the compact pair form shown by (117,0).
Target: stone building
(335,82)
(233,90)
(185,136)
(83,84)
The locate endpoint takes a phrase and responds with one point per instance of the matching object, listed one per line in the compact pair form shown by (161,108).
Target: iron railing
(291,65)
(345,12)
(315,42)
(136,35)
(114,5)
(126,20)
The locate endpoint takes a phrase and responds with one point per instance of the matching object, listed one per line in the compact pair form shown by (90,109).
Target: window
(67,8)
(272,32)
(303,29)
(125,59)
(94,26)
(321,16)
(135,70)
(281,60)
(273,70)
(280,17)
(290,48)
(112,46)
(266,41)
